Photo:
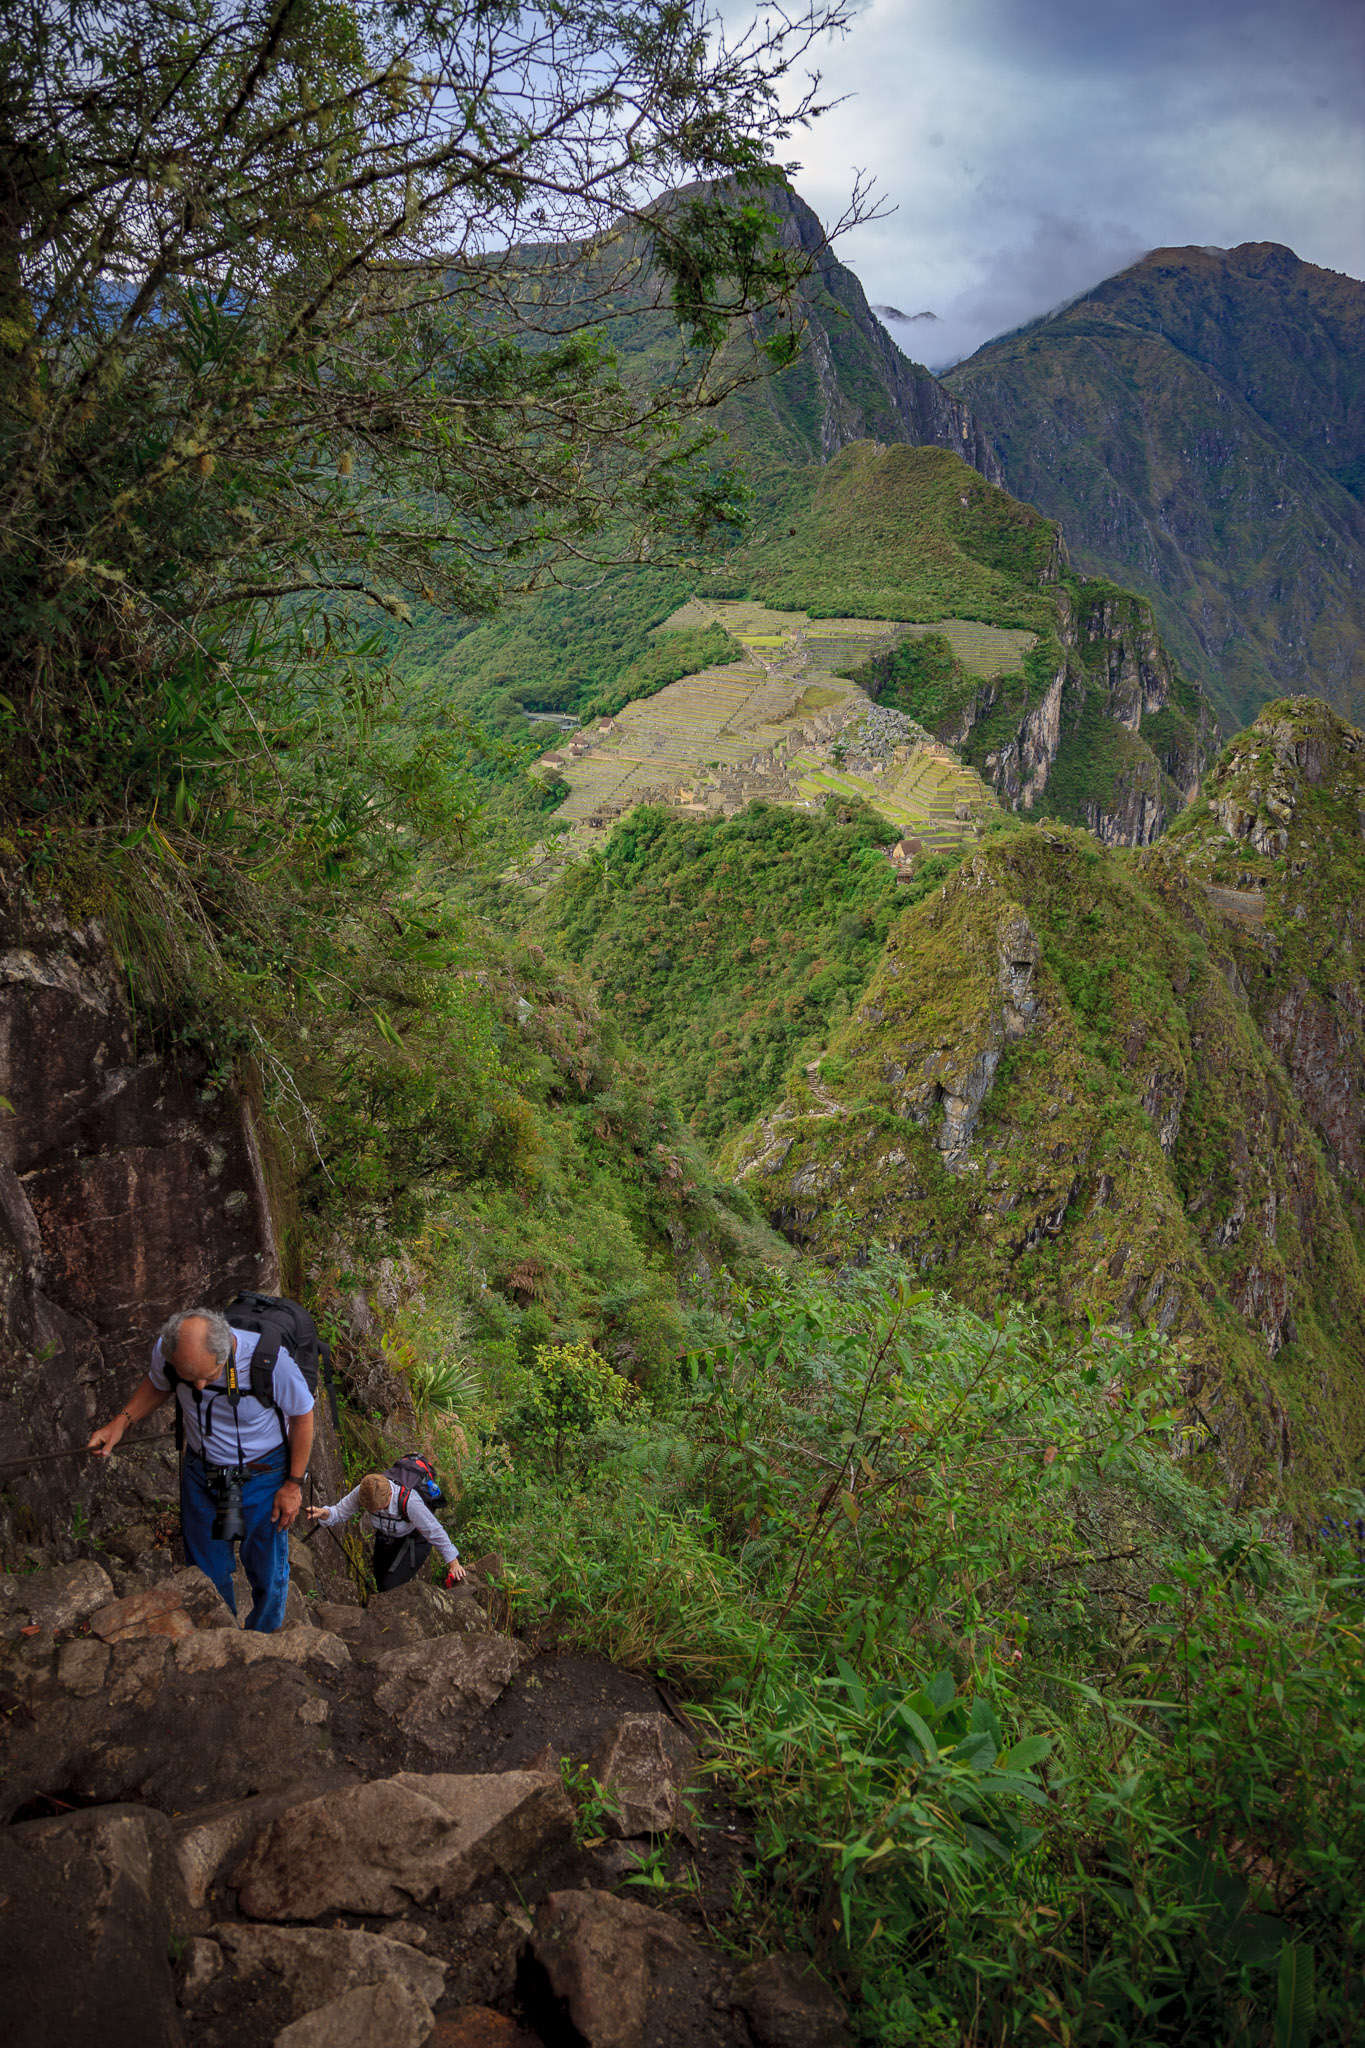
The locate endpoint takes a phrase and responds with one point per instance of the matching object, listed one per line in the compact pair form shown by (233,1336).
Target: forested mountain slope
(1197,424)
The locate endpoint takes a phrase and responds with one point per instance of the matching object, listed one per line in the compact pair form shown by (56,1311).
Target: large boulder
(92,1901)
(207,1840)
(421,1611)
(624,1975)
(437,1691)
(319,1964)
(387,2015)
(642,1766)
(789,2004)
(53,1600)
(378,1848)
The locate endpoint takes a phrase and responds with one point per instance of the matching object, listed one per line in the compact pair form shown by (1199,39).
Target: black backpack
(282,1325)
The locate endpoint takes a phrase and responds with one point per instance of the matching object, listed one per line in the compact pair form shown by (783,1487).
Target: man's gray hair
(217,1334)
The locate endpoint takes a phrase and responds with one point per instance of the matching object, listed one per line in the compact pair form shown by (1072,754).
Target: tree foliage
(304,314)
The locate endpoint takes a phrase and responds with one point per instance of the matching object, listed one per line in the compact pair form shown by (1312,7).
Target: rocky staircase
(386,1826)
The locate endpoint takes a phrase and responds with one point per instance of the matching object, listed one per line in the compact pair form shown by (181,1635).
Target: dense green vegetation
(729,949)
(584,649)
(922,677)
(896,533)
(1029,1727)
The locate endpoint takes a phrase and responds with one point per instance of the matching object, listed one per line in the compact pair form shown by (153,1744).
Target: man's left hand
(288,1501)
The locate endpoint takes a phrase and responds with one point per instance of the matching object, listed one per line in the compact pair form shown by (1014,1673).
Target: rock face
(127,1189)
(625,1975)
(89,1915)
(1108,735)
(247,1717)
(1280,853)
(1192,423)
(376,1848)
(1126,1068)
(436,1695)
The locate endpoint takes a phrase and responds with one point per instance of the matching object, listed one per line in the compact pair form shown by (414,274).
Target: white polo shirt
(260,1426)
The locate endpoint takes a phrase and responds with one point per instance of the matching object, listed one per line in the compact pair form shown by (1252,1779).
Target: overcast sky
(1032,147)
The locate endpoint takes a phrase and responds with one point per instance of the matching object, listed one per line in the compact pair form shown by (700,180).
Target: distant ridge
(1197,424)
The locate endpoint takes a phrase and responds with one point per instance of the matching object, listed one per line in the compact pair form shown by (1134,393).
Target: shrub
(573,1392)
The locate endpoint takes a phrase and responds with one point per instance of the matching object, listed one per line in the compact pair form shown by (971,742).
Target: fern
(1295,2003)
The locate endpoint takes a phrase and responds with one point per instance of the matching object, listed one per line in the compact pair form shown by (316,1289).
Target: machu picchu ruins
(785,725)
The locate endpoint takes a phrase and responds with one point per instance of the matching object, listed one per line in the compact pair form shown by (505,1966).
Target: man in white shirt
(267,1444)
(405,1530)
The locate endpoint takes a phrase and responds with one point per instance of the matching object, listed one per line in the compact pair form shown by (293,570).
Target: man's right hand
(104,1439)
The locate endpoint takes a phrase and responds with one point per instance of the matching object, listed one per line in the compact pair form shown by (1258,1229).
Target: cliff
(129,1187)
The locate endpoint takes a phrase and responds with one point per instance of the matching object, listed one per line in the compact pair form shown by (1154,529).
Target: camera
(225,1485)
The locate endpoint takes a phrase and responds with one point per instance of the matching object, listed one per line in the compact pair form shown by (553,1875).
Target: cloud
(1032,147)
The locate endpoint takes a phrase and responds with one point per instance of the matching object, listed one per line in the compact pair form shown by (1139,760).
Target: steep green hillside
(729,949)
(896,533)
(1090,1080)
(851,381)
(1197,424)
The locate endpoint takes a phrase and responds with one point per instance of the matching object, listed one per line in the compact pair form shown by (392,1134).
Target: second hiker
(405,1530)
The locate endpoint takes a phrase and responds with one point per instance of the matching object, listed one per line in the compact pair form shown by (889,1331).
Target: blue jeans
(265,1546)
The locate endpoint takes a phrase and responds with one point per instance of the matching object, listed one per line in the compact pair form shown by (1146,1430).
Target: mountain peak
(1194,424)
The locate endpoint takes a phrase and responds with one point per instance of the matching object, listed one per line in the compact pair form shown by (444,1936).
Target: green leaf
(942,1688)
(920,1729)
(985,1721)
(1024,1754)
(386,1030)
(1294,2002)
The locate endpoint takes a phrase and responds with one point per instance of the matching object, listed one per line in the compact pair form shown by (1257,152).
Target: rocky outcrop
(1279,850)
(1107,733)
(1070,1080)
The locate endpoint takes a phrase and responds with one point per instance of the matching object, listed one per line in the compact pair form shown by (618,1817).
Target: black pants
(398,1559)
